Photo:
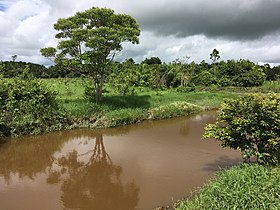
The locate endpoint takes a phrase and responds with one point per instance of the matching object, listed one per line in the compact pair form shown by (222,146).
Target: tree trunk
(98,88)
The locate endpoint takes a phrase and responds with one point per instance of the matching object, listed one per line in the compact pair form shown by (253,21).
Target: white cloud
(27,25)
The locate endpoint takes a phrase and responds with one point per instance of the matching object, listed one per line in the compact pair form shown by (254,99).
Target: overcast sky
(170,29)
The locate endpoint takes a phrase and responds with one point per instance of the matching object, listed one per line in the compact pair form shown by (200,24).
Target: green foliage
(242,73)
(48,52)
(10,69)
(253,77)
(152,61)
(273,73)
(27,107)
(89,92)
(246,187)
(172,110)
(122,117)
(215,55)
(204,78)
(124,79)
(250,124)
(189,88)
(90,40)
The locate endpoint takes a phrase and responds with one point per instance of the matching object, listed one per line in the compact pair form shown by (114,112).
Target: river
(142,166)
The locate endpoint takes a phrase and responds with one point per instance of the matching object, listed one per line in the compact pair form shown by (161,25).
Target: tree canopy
(90,40)
(215,55)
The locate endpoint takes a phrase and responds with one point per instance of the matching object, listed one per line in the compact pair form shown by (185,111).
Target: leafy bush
(28,107)
(89,92)
(254,77)
(273,73)
(204,78)
(184,89)
(250,124)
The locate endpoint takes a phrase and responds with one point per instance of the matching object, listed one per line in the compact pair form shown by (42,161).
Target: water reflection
(88,179)
(140,166)
(94,184)
(27,158)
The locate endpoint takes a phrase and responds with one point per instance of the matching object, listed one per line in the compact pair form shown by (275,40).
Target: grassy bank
(115,110)
(240,187)
(75,111)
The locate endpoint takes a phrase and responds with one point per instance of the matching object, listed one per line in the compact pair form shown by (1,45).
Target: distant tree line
(185,76)
(153,73)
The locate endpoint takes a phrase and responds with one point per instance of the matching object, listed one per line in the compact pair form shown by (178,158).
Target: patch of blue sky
(5,4)
(2,6)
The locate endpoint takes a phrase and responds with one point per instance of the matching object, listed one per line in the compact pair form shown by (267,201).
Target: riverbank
(76,111)
(247,186)
(116,110)
(145,104)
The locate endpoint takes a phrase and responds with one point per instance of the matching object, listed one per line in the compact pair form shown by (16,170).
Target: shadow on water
(2,141)
(221,163)
(132,101)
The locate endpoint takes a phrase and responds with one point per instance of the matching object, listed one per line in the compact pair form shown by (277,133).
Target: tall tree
(14,57)
(90,40)
(152,61)
(215,55)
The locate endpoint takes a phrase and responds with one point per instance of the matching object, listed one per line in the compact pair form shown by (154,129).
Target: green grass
(71,97)
(241,187)
(115,110)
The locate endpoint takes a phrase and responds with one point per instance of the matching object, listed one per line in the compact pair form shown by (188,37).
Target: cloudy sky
(170,29)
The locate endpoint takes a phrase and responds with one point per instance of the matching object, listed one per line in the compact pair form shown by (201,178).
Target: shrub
(124,82)
(253,77)
(173,110)
(185,89)
(204,78)
(250,124)
(29,107)
(121,117)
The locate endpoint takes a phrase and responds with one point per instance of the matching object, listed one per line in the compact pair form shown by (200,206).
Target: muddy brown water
(141,166)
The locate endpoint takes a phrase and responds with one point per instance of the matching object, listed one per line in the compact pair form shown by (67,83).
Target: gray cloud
(246,29)
(233,20)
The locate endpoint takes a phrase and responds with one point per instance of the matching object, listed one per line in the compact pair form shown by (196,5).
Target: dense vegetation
(27,106)
(130,90)
(250,124)
(133,92)
(47,104)
(154,74)
(89,41)
(241,187)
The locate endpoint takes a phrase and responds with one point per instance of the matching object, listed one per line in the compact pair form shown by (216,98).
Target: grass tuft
(241,187)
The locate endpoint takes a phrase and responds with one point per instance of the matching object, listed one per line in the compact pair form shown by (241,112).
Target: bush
(250,124)
(185,89)
(121,117)
(28,107)
(204,78)
(124,82)
(173,110)
(254,77)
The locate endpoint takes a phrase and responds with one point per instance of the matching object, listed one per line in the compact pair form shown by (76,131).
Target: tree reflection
(27,157)
(92,184)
